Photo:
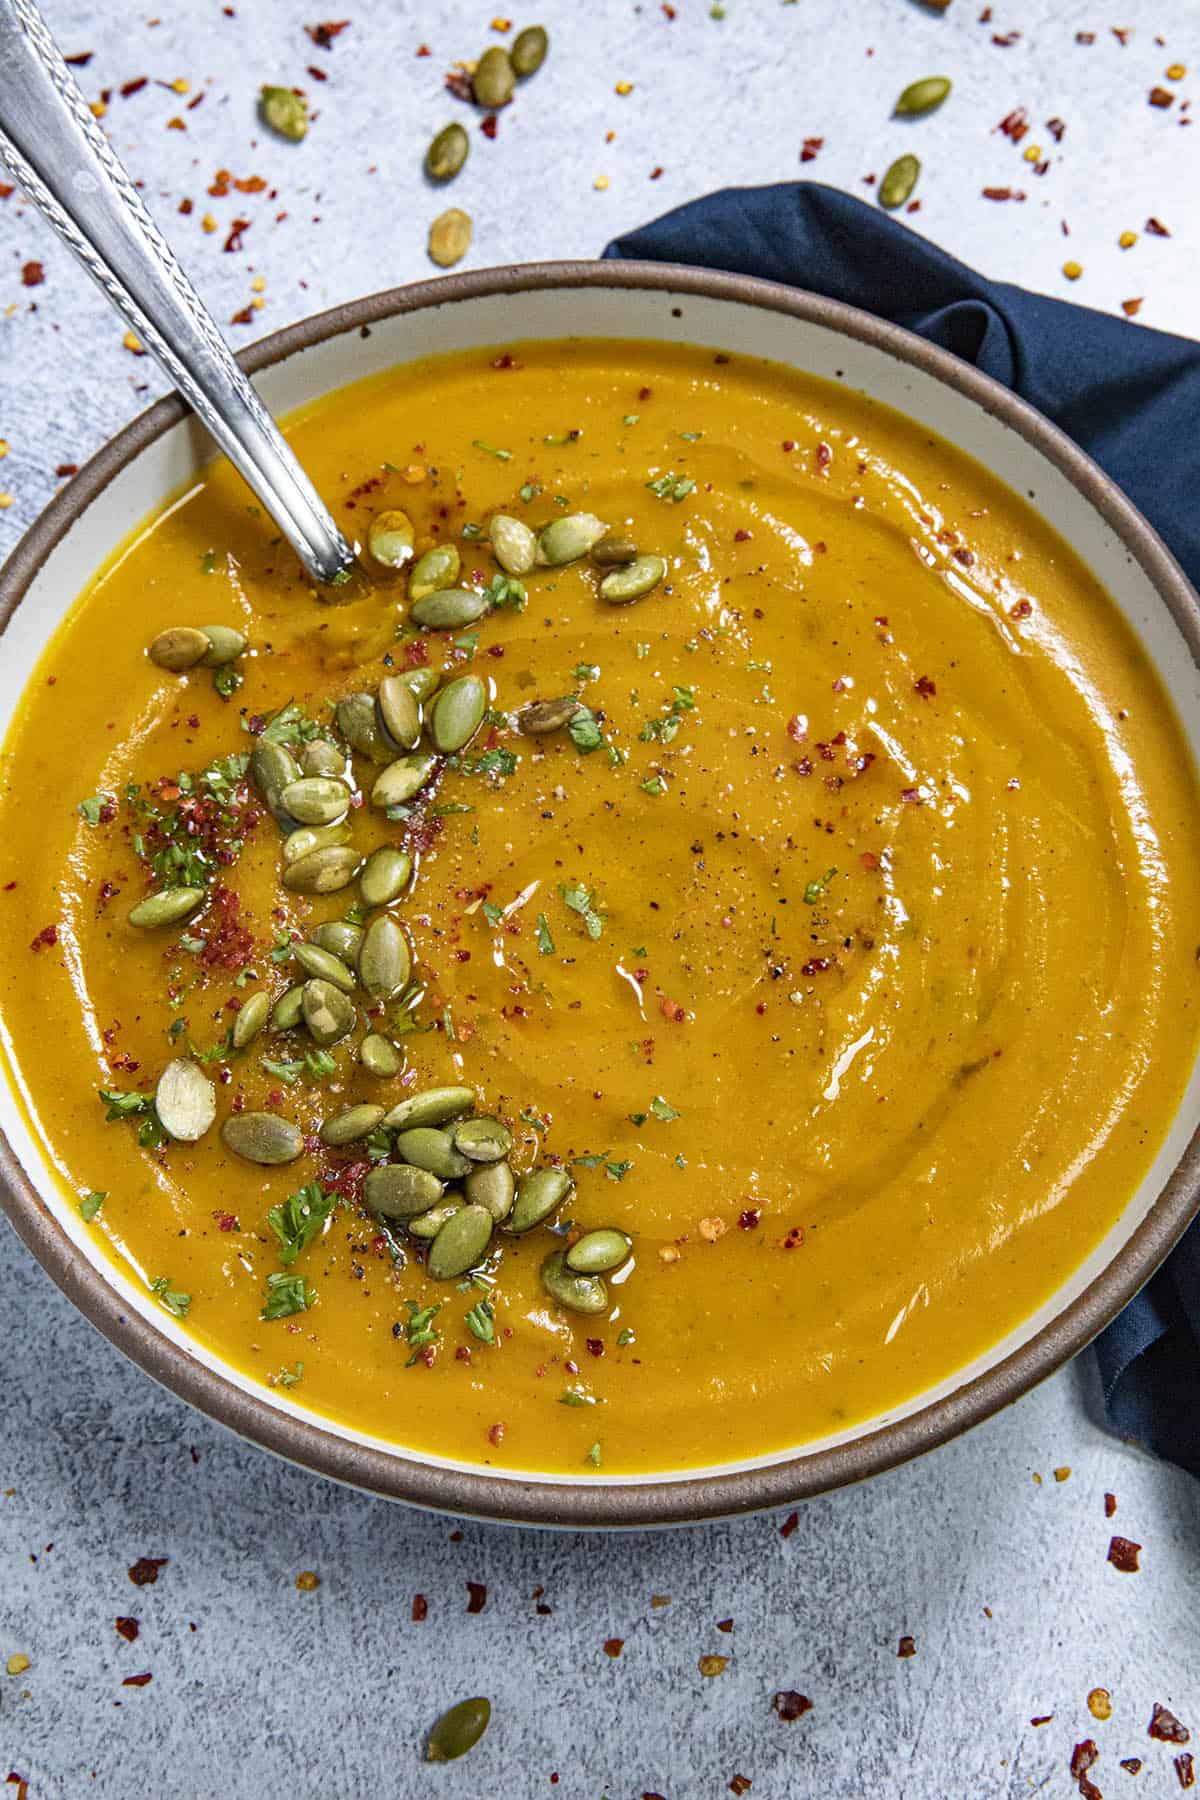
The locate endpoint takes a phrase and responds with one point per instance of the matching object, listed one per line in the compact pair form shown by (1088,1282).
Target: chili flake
(144,1572)
(790,1705)
(1123,1555)
(907,1647)
(613,1647)
(478,1596)
(127,1628)
(1083,1757)
(142,1680)
(1166,1728)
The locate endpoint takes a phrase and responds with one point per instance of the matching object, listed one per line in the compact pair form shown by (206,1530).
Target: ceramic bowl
(164,449)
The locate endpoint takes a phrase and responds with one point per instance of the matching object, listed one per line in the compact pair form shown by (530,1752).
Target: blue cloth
(1131,398)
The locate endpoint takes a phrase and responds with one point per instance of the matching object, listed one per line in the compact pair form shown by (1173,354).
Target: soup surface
(837,948)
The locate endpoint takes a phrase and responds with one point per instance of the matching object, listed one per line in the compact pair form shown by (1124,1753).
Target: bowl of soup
(673,991)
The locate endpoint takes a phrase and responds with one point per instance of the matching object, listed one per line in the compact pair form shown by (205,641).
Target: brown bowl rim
(402,1474)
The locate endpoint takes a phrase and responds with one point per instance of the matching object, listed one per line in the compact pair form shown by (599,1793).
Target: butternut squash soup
(693,949)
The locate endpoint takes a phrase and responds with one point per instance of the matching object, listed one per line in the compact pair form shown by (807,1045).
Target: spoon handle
(58,154)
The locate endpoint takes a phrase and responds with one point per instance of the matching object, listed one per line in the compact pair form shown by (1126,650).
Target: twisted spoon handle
(53,147)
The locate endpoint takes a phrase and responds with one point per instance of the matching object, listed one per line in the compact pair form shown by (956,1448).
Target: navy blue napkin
(1131,398)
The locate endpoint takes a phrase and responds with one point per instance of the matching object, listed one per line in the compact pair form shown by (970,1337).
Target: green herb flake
(92,809)
(176,1303)
(290,725)
(492,913)
(662,1109)
(227,680)
(617,1171)
(573,1397)
(208,563)
(655,785)
(504,591)
(124,1105)
(672,487)
(288,1378)
(681,1161)
(535,1119)
(498,763)
(90,1205)
(586,671)
(469,644)
(545,941)
(421,1331)
(471,531)
(584,731)
(528,491)
(625,1336)
(580,901)
(815,890)
(297,1220)
(287,1294)
(631,418)
(593,1455)
(591,1160)
(481,1322)
(491,450)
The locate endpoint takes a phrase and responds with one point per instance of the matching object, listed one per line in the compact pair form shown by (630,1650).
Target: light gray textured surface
(259,1688)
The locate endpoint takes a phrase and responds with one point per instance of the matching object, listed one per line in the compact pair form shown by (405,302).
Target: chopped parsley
(661,730)
(584,731)
(92,809)
(499,763)
(227,680)
(208,562)
(90,1205)
(420,1330)
(631,418)
(580,901)
(654,785)
(672,487)
(573,1397)
(290,725)
(297,1220)
(625,1336)
(315,1065)
(492,913)
(617,1171)
(502,590)
(289,1377)
(528,491)
(176,1303)
(491,450)
(545,942)
(586,671)
(287,1294)
(662,1109)
(593,1455)
(135,1106)
(481,1321)
(535,1119)
(816,889)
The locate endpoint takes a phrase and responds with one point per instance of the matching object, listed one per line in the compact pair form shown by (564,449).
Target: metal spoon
(54,148)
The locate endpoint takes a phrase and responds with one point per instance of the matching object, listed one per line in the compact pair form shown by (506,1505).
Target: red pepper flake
(478,1600)
(128,1628)
(420,1609)
(134,87)
(672,1010)
(816,965)
(1185,1768)
(323,35)
(742,536)
(810,149)
(667,9)
(1003,193)
(789,1525)
(1014,125)
(1159,96)
(226,1221)
(1131,308)
(506,360)
(138,1680)
(65,469)
(1156,228)
(595,1346)
(416,654)
(1005,40)
(1085,37)
(823,456)
(1083,1757)
(748,1220)
(79,61)
(794,1238)
(797,729)
(317,74)
(1110,1505)
(424,50)
(244,317)
(656,174)
(613,1647)
(1122,33)
(496,1432)
(724,1624)
(741,1784)
(19,1782)
(1131,1764)
(789,1704)
(1021,610)
(1166,1728)
(236,232)
(1057,129)
(912,796)
(1043,1719)
(32,274)
(964,556)
(1123,1555)
(458,83)
(46,938)
(908,1647)
(144,1572)
(490,125)
(925,687)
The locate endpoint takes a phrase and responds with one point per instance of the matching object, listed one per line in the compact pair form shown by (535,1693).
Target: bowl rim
(512,1498)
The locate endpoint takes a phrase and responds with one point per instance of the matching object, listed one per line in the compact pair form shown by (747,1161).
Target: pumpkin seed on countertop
(923,96)
(427,1224)
(178,648)
(898,182)
(436,569)
(398,1191)
(347,1127)
(390,538)
(513,544)
(494,78)
(316,800)
(460,1244)
(320,757)
(384,958)
(398,712)
(356,720)
(324,871)
(450,237)
(285,111)
(380,1057)
(461,1726)
(185,1100)
(432,1106)
(613,552)
(447,153)
(262,1137)
(288,1011)
(307,838)
(565,540)
(491,1185)
(457,714)
(426,1147)
(250,1018)
(167,907)
(328,1014)
(449,608)
(529,49)
(634,581)
(538,1194)
(578,1293)
(484,1140)
(324,966)
(272,768)
(385,875)
(339,938)
(547,715)
(225,645)
(596,1252)
(402,779)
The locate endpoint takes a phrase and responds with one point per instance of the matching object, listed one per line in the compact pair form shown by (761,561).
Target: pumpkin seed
(288,1011)
(390,538)
(272,768)
(449,608)
(402,779)
(251,1018)
(356,1122)
(460,1244)
(398,712)
(547,715)
(339,938)
(359,726)
(225,645)
(385,875)
(450,237)
(285,111)
(494,78)
(307,838)
(578,1293)
(513,544)
(614,551)
(262,1137)
(457,714)
(437,568)
(460,1728)
(483,1140)
(491,1185)
(565,540)
(428,1148)
(328,1014)
(923,96)
(322,758)
(380,1057)
(538,1193)
(529,49)
(185,1100)
(324,872)
(167,907)
(398,1191)
(316,799)
(324,966)
(178,648)
(423,682)
(432,1106)
(634,581)
(384,958)
(596,1252)
(447,153)
(899,182)
(428,1224)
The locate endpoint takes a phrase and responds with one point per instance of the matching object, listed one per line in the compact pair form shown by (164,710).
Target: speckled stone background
(996,1568)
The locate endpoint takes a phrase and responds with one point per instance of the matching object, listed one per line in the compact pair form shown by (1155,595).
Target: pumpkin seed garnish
(538,1194)
(513,544)
(249,1021)
(432,1106)
(398,712)
(358,724)
(457,714)
(347,1127)
(379,1057)
(390,538)
(460,1728)
(633,581)
(494,79)
(529,49)
(328,1014)
(427,1147)
(316,799)
(426,1225)
(484,1140)
(447,153)
(385,875)
(614,551)
(923,96)
(596,1252)
(898,182)
(491,1185)
(178,648)
(460,1244)
(225,645)
(398,1191)
(402,779)
(324,966)
(339,938)
(185,1100)
(449,609)
(450,237)
(285,111)
(578,1293)
(436,569)
(167,907)
(262,1137)
(384,958)
(541,716)
(324,872)
(565,540)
